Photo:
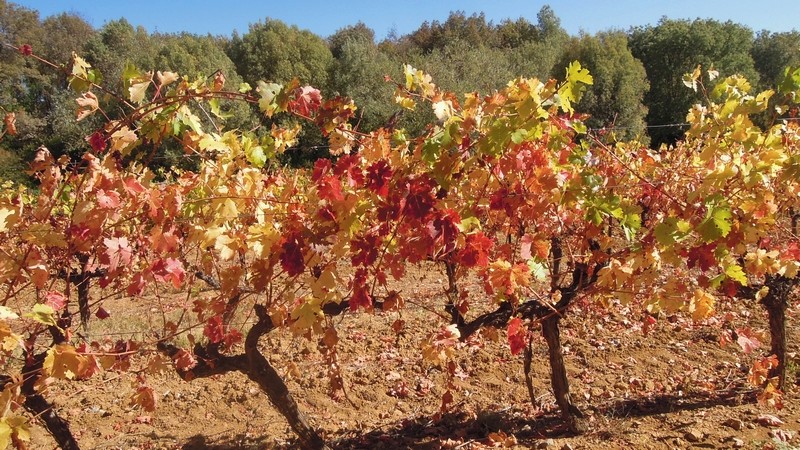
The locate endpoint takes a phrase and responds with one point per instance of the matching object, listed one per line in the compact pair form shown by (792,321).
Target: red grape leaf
(476,250)
(118,252)
(517,335)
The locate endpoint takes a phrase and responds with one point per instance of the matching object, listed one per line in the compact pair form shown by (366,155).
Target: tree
(358,72)
(773,53)
(538,57)
(436,35)
(65,33)
(273,51)
(117,45)
(674,47)
(460,66)
(21,87)
(620,83)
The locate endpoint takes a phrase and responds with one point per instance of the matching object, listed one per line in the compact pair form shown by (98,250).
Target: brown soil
(674,388)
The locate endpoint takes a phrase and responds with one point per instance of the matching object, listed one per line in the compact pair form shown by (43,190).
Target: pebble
(736,424)
(545,444)
(693,436)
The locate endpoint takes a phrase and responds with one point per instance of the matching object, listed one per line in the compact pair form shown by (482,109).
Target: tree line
(637,73)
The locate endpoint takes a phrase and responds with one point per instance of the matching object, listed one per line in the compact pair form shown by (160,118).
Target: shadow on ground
(426,434)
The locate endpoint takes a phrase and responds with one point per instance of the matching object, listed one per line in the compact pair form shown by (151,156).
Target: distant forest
(637,93)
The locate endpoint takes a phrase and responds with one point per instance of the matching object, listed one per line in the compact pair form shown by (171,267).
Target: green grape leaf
(43,314)
(716,225)
(736,273)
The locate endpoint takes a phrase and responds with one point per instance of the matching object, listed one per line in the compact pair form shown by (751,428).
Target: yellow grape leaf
(227,246)
(43,314)
(324,285)
(44,235)
(306,315)
(8,217)
(226,209)
(702,305)
(443,110)
(6,313)
(64,362)
(261,238)
(735,272)
(165,78)
(761,262)
(139,87)
(614,275)
(122,140)
(13,426)
(340,142)
(8,339)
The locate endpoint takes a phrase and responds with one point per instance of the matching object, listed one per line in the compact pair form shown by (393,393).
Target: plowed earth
(675,387)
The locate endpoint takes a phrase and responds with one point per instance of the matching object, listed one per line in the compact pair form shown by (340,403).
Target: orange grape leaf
(144,397)
(10,121)
(476,250)
(702,305)
(64,362)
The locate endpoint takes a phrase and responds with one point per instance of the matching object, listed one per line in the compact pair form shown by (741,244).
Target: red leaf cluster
(97,141)
(476,251)
(378,176)
(292,260)
(420,198)
(517,335)
(307,100)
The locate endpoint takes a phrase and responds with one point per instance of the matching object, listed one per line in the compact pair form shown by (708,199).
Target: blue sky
(324,17)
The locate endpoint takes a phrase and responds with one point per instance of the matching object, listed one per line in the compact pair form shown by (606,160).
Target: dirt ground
(674,388)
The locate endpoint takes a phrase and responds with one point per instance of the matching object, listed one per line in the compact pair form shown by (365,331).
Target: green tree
(65,33)
(273,51)
(463,67)
(21,87)
(474,30)
(674,47)
(772,53)
(117,45)
(620,83)
(539,55)
(358,72)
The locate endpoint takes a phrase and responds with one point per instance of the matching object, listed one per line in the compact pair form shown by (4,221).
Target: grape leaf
(702,305)
(291,256)
(517,335)
(64,362)
(716,225)
(735,272)
(169,270)
(476,250)
(44,314)
(118,252)
(8,217)
(306,315)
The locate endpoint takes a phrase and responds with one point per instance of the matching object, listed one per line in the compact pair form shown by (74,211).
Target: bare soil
(676,387)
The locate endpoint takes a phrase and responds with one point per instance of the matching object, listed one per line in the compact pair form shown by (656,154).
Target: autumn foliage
(509,188)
